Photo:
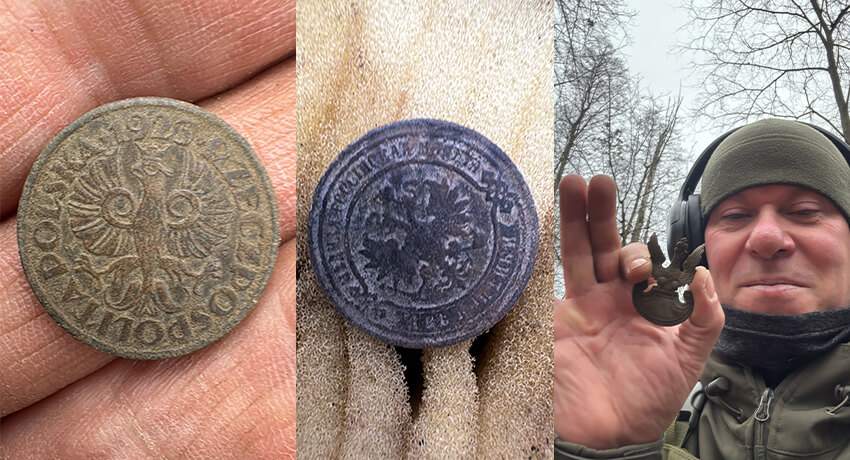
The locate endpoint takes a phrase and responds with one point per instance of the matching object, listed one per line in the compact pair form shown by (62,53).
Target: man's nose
(768,238)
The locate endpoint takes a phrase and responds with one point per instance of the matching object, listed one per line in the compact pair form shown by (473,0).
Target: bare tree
(605,123)
(779,58)
(641,151)
(589,72)
(653,172)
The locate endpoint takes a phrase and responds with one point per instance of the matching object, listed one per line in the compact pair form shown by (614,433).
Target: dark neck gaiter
(776,344)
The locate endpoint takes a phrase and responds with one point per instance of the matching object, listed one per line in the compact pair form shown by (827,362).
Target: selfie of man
(761,368)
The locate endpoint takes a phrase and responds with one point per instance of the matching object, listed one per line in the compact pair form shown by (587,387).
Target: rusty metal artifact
(423,233)
(661,304)
(148,228)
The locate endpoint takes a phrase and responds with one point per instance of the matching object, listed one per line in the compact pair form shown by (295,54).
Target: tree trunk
(832,69)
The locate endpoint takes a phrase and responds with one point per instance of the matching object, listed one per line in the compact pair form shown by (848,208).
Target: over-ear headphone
(685,217)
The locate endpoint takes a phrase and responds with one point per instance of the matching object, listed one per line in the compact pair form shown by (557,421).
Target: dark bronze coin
(148,228)
(423,233)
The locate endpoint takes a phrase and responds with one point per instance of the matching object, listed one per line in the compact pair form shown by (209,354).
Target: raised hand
(619,379)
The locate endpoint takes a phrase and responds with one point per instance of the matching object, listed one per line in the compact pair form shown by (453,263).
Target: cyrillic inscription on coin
(148,228)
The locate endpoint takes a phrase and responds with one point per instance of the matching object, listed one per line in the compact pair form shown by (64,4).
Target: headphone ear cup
(685,221)
(694,228)
(676,225)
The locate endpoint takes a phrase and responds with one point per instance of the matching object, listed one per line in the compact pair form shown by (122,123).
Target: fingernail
(709,286)
(637,263)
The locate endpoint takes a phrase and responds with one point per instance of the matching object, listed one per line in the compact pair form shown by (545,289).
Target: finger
(576,256)
(62,59)
(38,356)
(699,333)
(602,224)
(635,264)
(233,399)
(262,110)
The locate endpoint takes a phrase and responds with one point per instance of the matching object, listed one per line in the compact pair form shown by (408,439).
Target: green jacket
(802,418)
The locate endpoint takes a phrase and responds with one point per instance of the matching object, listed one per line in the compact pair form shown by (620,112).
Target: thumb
(699,333)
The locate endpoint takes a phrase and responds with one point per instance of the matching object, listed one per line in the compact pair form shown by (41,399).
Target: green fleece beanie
(771,152)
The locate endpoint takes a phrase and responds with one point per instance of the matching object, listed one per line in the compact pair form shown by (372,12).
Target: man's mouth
(772,282)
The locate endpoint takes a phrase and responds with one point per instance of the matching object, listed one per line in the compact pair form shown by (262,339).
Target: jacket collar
(798,410)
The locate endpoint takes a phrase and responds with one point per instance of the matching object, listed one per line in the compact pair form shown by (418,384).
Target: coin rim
(43,158)
(429,125)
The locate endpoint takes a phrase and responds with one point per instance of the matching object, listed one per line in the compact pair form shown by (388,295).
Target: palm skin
(619,380)
(63,399)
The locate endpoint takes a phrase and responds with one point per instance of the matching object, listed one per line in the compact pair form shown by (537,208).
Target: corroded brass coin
(148,228)
(423,233)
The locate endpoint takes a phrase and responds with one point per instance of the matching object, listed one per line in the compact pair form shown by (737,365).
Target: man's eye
(805,212)
(734,216)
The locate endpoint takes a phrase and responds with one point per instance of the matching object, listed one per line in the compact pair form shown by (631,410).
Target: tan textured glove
(488,66)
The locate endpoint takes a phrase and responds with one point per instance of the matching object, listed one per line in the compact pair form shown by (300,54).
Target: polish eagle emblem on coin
(157,237)
(148,228)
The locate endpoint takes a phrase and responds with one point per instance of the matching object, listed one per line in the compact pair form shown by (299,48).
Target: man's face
(779,249)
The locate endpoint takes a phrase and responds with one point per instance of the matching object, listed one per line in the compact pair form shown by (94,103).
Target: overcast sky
(656,30)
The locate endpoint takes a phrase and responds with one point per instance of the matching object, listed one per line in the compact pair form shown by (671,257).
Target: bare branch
(782,58)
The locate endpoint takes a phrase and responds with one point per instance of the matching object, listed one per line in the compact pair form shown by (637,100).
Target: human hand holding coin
(619,379)
(60,397)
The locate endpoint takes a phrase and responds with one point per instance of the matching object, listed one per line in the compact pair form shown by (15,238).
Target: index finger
(38,356)
(576,256)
